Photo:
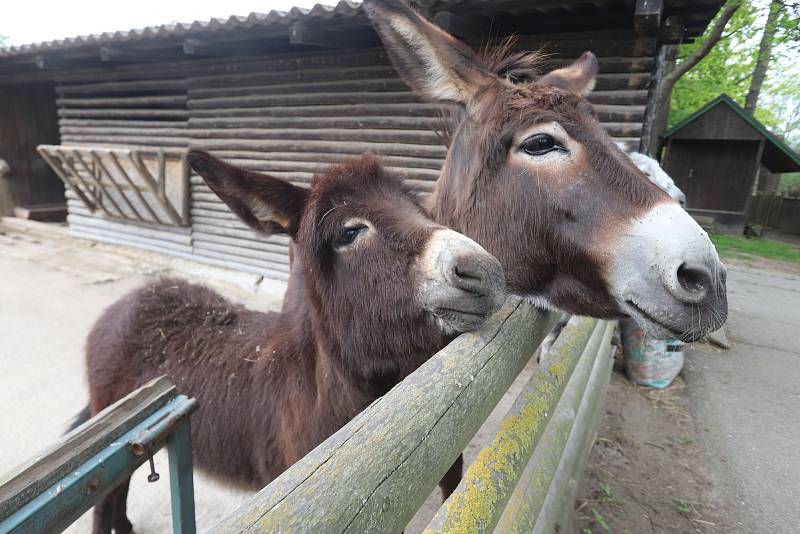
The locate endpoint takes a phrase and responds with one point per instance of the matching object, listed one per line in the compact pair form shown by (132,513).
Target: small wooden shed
(286,93)
(715,155)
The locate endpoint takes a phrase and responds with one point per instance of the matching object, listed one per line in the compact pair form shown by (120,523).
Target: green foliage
(729,66)
(598,517)
(790,185)
(3,40)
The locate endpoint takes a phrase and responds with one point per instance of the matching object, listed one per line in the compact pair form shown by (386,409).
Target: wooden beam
(200,47)
(44,62)
(465,26)
(113,53)
(673,32)
(302,34)
(647,16)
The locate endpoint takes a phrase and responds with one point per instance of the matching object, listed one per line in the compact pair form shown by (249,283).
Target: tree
(730,67)
(763,57)
(664,90)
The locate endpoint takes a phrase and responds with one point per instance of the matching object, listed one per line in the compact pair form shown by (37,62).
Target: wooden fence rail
(375,473)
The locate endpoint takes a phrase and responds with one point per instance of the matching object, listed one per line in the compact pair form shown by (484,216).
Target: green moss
(497,468)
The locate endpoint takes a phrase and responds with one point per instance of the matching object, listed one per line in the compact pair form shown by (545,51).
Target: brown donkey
(532,176)
(376,289)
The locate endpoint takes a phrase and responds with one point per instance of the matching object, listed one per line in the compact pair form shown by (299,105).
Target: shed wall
(715,175)
(291,115)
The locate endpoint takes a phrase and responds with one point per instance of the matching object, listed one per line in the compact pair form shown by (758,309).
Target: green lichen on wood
(527,505)
(490,480)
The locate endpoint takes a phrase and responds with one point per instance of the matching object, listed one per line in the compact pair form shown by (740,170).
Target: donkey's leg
(110,512)
(103,514)
(120,520)
(452,477)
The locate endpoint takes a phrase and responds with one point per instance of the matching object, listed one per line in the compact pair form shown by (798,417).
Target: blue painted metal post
(179,447)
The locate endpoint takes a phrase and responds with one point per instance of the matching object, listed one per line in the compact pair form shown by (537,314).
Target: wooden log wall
(293,114)
(125,111)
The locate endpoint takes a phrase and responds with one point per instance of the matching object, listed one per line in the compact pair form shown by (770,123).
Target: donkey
(532,176)
(376,289)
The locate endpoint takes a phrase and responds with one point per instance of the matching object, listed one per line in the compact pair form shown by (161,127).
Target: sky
(31,21)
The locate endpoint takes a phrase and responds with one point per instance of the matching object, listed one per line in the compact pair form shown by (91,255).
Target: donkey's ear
(267,204)
(435,64)
(578,78)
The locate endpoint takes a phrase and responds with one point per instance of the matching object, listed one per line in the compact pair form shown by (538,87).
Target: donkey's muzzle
(462,284)
(669,276)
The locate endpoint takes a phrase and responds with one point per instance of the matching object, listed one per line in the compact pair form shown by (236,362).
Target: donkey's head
(534,178)
(376,268)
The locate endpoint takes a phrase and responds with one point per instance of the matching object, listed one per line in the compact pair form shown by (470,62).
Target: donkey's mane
(499,58)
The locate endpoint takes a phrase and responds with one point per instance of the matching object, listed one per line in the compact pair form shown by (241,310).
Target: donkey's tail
(83,416)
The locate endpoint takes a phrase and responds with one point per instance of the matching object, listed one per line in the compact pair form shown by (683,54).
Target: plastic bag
(650,362)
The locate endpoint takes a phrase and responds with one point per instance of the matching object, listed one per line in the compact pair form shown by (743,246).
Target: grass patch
(736,246)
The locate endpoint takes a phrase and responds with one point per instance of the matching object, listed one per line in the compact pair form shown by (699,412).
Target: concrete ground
(746,403)
(51,292)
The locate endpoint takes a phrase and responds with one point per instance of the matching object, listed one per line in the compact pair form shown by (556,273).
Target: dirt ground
(646,472)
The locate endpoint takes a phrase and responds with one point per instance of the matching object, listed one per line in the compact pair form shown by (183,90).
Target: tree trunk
(670,79)
(662,103)
(762,60)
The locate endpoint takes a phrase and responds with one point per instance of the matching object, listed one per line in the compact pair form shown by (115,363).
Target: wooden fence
(375,473)
(775,211)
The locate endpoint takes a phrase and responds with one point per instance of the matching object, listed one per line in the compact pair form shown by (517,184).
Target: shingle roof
(344,8)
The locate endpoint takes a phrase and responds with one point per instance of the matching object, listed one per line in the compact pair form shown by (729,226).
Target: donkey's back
(205,344)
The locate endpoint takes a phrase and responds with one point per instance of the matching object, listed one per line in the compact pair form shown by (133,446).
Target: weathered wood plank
(523,508)
(559,505)
(134,86)
(420,137)
(340,147)
(42,471)
(175,101)
(480,498)
(58,505)
(424,423)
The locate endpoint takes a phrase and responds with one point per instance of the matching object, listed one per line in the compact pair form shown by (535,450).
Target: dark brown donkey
(377,288)
(532,176)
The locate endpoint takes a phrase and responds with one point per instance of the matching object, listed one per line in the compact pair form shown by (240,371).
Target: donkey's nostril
(466,274)
(694,281)
(473,272)
(694,278)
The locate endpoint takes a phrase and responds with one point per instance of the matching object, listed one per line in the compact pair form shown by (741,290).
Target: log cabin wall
(291,115)
(143,107)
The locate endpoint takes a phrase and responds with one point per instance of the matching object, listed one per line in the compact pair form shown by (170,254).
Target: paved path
(51,292)
(746,402)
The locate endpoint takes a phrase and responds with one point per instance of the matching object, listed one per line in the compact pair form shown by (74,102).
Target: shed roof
(687,19)
(778,157)
(343,9)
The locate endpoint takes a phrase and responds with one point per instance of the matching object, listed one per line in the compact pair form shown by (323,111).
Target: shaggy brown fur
(271,386)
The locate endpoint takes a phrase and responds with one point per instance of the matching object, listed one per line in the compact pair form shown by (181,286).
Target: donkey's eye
(540,144)
(349,235)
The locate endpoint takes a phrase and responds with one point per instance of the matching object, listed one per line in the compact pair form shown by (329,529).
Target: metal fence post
(180,480)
